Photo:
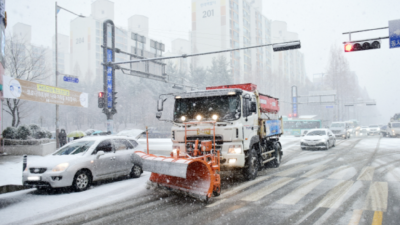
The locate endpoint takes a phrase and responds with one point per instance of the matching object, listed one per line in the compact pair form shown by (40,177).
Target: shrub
(23,132)
(34,128)
(10,133)
(48,134)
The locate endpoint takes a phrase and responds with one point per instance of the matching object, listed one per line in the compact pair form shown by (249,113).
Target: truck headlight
(183,118)
(215,117)
(235,149)
(60,167)
(198,117)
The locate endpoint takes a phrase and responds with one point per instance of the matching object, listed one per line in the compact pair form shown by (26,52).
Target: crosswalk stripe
(335,196)
(356,217)
(366,173)
(255,196)
(378,216)
(377,197)
(339,173)
(314,171)
(289,171)
(295,196)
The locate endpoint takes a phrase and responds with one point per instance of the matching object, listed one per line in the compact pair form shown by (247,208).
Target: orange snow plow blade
(196,177)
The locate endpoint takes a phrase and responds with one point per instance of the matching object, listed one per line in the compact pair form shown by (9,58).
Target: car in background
(383,131)
(364,130)
(83,161)
(393,129)
(340,129)
(318,139)
(374,130)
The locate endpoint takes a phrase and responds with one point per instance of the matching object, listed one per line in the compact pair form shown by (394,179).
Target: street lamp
(57,9)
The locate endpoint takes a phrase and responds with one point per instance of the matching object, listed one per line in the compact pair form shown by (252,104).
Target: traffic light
(101,100)
(114,98)
(359,46)
(286,46)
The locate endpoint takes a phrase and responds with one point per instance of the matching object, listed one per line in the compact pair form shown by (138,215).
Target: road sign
(71,79)
(329,106)
(394,34)
(109,80)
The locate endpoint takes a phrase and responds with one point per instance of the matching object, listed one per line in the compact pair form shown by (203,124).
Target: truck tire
(278,156)
(251,165)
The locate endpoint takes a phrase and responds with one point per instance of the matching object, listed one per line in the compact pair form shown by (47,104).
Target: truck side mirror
(158,115)
(160,105)
(253,107)
(389,125)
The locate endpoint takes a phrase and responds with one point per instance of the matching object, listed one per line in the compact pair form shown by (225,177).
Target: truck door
(250,124)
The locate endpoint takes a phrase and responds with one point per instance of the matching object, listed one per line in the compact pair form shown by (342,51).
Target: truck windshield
(396,125)
(227,108)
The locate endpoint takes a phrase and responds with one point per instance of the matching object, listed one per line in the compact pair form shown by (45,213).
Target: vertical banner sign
(394,34)
(109,80)
(294,102)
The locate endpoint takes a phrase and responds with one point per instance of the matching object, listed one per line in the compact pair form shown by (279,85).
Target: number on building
(208,13)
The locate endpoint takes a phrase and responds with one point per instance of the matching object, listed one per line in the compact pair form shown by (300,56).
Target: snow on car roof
(99,138)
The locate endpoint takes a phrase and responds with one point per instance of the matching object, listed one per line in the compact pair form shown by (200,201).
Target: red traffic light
(290,115)
(295,115)
(101,94)
(348,47)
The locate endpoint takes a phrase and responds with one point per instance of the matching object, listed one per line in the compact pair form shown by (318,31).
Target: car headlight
(60,167)
(235,149)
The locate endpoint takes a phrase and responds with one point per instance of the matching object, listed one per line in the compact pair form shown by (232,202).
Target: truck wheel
(278,156)
(251,165)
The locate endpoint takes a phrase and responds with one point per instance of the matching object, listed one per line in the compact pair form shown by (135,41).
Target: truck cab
(240,114)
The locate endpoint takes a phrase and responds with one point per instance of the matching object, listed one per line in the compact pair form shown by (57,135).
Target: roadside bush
(48,134)
(10,133)
(34,128)
(23,132)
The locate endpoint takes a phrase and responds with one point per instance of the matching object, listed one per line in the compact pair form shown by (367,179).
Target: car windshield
(337,125)
(373,126)
(316,133)
(227,108)
(74,148)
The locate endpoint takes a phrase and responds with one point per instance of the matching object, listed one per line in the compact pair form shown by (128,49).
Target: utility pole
(57,9)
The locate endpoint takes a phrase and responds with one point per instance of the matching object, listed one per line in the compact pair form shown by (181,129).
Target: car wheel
(251,165)
(136,171)
(82,180)
(327,145)
(302,148)
(334,142)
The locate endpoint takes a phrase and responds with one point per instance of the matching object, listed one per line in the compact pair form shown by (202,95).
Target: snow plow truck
(230,127)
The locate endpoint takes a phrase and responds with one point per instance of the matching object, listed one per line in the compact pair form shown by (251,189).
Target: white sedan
(318,139)
(83,161)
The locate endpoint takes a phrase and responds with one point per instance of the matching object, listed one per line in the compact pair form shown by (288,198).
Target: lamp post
(57,9)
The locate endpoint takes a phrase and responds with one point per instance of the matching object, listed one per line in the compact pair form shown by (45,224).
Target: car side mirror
(99,153)
(253,107)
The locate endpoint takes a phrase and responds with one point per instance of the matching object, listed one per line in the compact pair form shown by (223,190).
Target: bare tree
(26,62)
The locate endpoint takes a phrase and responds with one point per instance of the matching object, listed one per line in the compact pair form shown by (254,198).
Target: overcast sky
(320,25)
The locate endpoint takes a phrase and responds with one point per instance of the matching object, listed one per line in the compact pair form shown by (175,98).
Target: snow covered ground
(31,206)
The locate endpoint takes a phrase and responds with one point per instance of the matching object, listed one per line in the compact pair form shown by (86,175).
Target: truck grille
(218,138)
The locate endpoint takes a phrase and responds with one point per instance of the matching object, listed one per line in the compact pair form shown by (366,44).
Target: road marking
(378,216)
(366,173)
(255,196)
(295,196)
(377,197)
(339,173)
(314,171)
(335,196)
(356,217)
(236,190)
(287,172)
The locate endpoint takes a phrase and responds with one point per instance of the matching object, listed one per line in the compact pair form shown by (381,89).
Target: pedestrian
(62,136)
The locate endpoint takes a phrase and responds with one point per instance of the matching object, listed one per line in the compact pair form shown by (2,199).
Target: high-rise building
(228,24)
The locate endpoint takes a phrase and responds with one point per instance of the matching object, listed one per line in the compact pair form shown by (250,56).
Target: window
(105,146)
(134,143)
(122,144)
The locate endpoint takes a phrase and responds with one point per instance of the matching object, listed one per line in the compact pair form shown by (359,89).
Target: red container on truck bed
(268,104)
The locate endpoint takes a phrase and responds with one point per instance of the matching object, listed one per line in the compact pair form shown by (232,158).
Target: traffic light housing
(360,46)
(114,98)
(101,100)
